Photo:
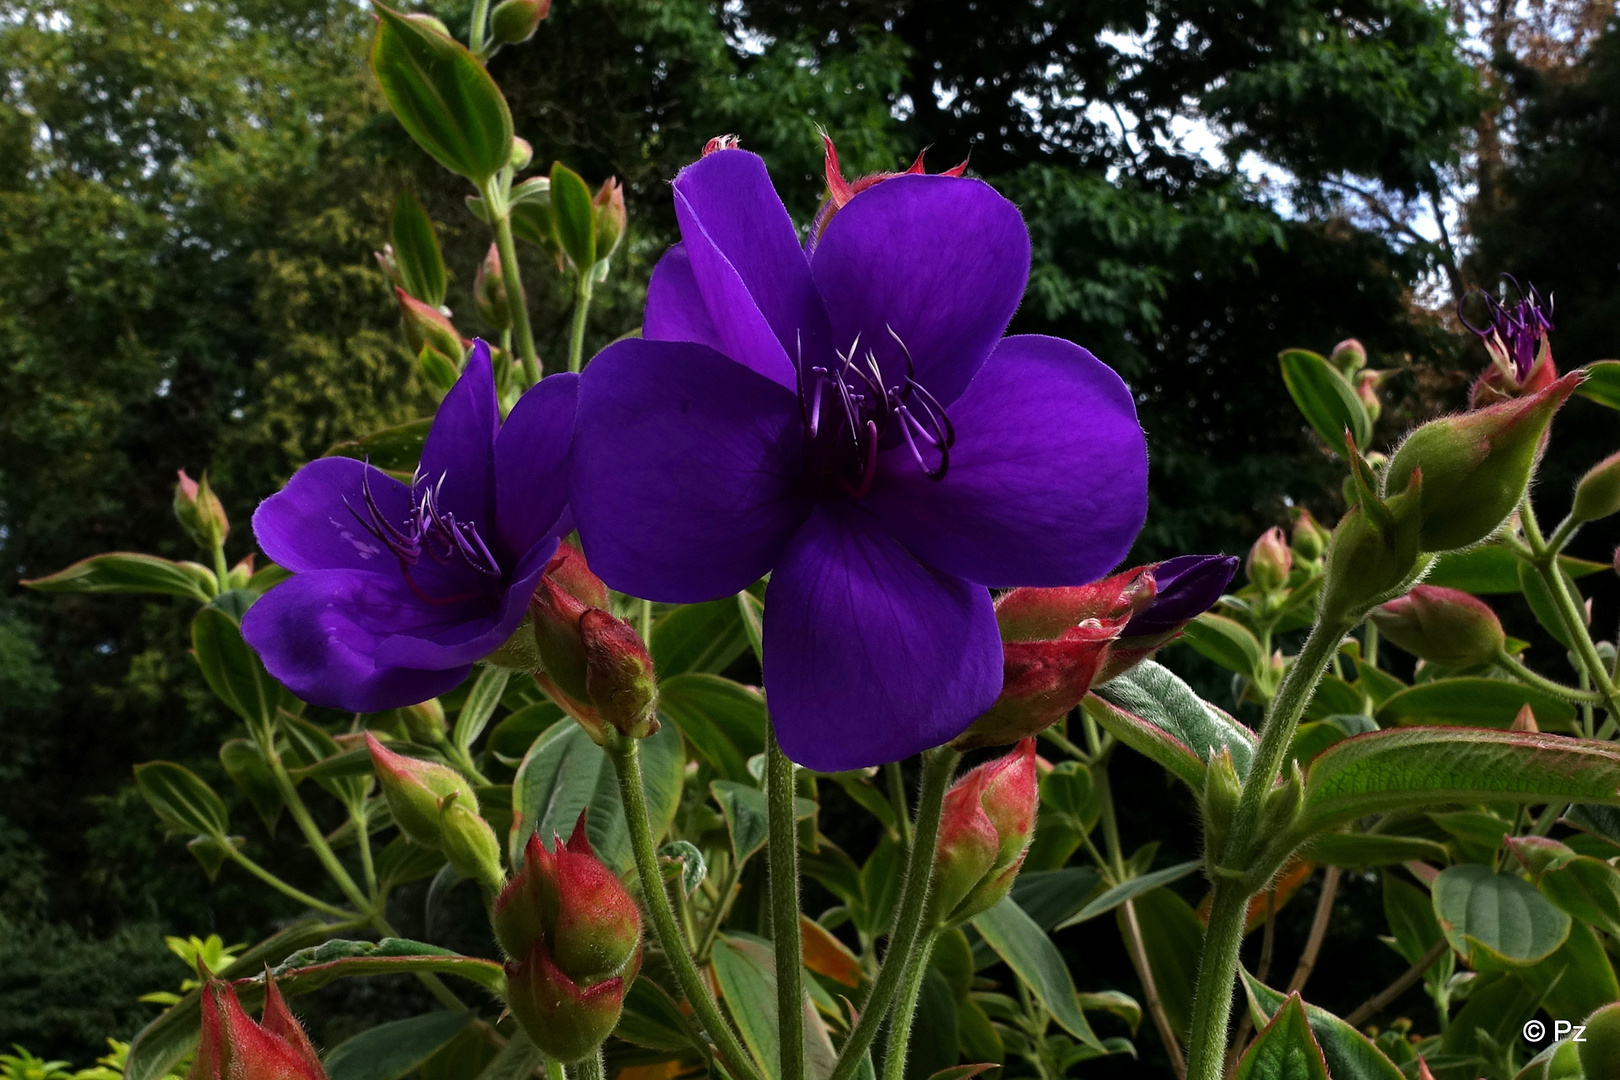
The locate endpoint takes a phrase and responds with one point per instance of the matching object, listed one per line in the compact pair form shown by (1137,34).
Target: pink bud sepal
(984,834)
(232,1047)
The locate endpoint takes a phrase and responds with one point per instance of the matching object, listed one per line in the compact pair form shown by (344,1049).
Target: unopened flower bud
(522,152)
(1270,561)
(424,721)
(984,834)
(427,326)
(489,292)
(1184,587)
(417,791)
(1030,614)
(515,21)
(469,843)
(1598,493)
(574,938)
(1475,466)
(1374,552)
(1041,682)
(1222,790)
(199,512)
(1600,1044)
(1309,538)
(231,1046)
(390,266)
(1366,386)
(610,217)
(1349,356)
(1442,626)
(619,676)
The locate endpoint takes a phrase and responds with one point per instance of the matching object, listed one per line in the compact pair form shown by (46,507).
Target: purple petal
(318,633)
(311,525)
(531,462)
(1187,586)
(871,656)
(472,634)
(748,265)
(940,260)
(675,308)
(1047,482)
(460,446)
(684,471)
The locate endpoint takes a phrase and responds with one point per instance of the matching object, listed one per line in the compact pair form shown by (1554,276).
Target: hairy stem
(588,1067)
(277,884)
(582,308)
(1546,564)
(1512,663)
(626,755)
(500,216)
(896,781)
(939,764)
(1217,967)
(894,1058)
(368,866)
(717,915)
(783,852)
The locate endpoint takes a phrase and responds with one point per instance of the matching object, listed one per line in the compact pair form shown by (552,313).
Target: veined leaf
(1586,888)
(1411,767)
(416,250)
(1602,383)
(1370,849)
(229,665)
(1491,569)
(1125,890)
(397,448)
(1494,919)
(479,706)
(1026,949)
(130,572)
(179,796)
(1326,399)
(723,720)
(1286,1049)
(745,968)
(1227,642)
(1348,1053)
(1155,713)
(311,969)
(389,1051)
(1472,702)
(573,217)
(703,637)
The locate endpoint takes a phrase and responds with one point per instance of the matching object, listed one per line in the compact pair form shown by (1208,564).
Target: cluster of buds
(1057,643)
(1349,358)
(1442,626)
(573,935)
(434,805)
(233,1047)
(984,834)
(591,663)
(199,512)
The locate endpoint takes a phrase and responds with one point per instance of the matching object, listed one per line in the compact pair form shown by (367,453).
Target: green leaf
(1126,890)
(1335,697)
(1415,767)
(693,868)
(752,610)
(402,861)
(1227,642)
(416,250)
(1586,888)
(1578,978)
(1051,896)
(181,799)
(652,1019)
(1412,923)
(934,1047)
(397,448)
(310,969)
(1498,1004)
(1152,711)
(745,968)
(390,1051)
(1348,1054)
(516,732)
(1491,569)
(1326,399)
(565,773)
(1602,383)
(698,638)
(442,96)
(229,665)
(246,767)
(1493,919)
(479,706)
(1025,948)
(723,720)
(130,572)
(1370,849)
(1544,607)
(1174,937)
(1472,702)
(573,218)
(746,816)
(1286,1049)
(165,1042)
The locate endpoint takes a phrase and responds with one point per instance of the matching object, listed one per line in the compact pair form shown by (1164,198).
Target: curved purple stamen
(430,530)
(1514,331)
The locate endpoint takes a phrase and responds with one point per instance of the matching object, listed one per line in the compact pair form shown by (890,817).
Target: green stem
(717,915)
(501,219)
(582,307)
(626,755)
(280,886)
(1369,644)
(588,1067)
(480,18)
(1546,564)
(1562,535)
(1568,693)
(1217,967)
(645,618)
(897,798)
(905,1009)
(939,764)
(783,852)
(554,1070)
(222,570)
(363,837)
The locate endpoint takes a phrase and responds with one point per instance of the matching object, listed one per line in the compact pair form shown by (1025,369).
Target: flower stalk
(500,216)
(1544,556)
(894,1060)
(582,307)
(784,886)
(626,756)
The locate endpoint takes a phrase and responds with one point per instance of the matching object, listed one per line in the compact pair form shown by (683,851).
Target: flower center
(1513,333)
(457,566)
(849,414)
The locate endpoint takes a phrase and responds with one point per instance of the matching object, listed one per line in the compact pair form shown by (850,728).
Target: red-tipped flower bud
(425,721)
(389,265)
(1475,466)
(232,1047)
(610,217)
(199,512)
(435,805)
(1442,626)
(489,292)
(619,676)
(1598,493)
(1349,356)
(1270,561)
(574,936)
(522,154)
(515,21)
(1309,539)
(1539,854)
(1366,385)
(984,833)
(427,326)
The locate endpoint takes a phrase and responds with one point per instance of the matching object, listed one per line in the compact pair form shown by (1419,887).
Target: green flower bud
(1475,466)
(1442,626)
(515,21)
(1222,790)
(1598,493)
(1270,561)
(1349,356)
(522,154)
(1309,539)
(418,791)
(469,843)
(619,678)
(489,292)
(610,217)
(427,326)
(199,512)
(424,721)
(1373,555)
(1600,1053)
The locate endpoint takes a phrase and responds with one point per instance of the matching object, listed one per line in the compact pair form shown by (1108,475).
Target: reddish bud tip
(427,326)
(232,1047)
(1442,626)
(611,217)
(200,512)
(985,829)
(618,674)
(418,791)
(721,142)
(515,21)
(1349,356)
(1270,561)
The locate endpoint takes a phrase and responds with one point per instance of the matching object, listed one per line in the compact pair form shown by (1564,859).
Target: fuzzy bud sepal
(1442,626)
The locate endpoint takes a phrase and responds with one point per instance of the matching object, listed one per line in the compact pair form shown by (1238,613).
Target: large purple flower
(853,422)
(399,589)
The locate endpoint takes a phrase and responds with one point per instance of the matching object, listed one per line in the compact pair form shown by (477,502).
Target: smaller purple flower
(1186,587)
(397,590)
(1512,333)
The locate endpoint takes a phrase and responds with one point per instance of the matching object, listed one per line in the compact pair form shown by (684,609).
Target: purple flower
(854,423)
(398,590)
(1185,587)
(1512,333)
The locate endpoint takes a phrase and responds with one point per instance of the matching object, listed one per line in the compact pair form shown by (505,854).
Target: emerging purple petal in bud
(1184,588)
(1513,334)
